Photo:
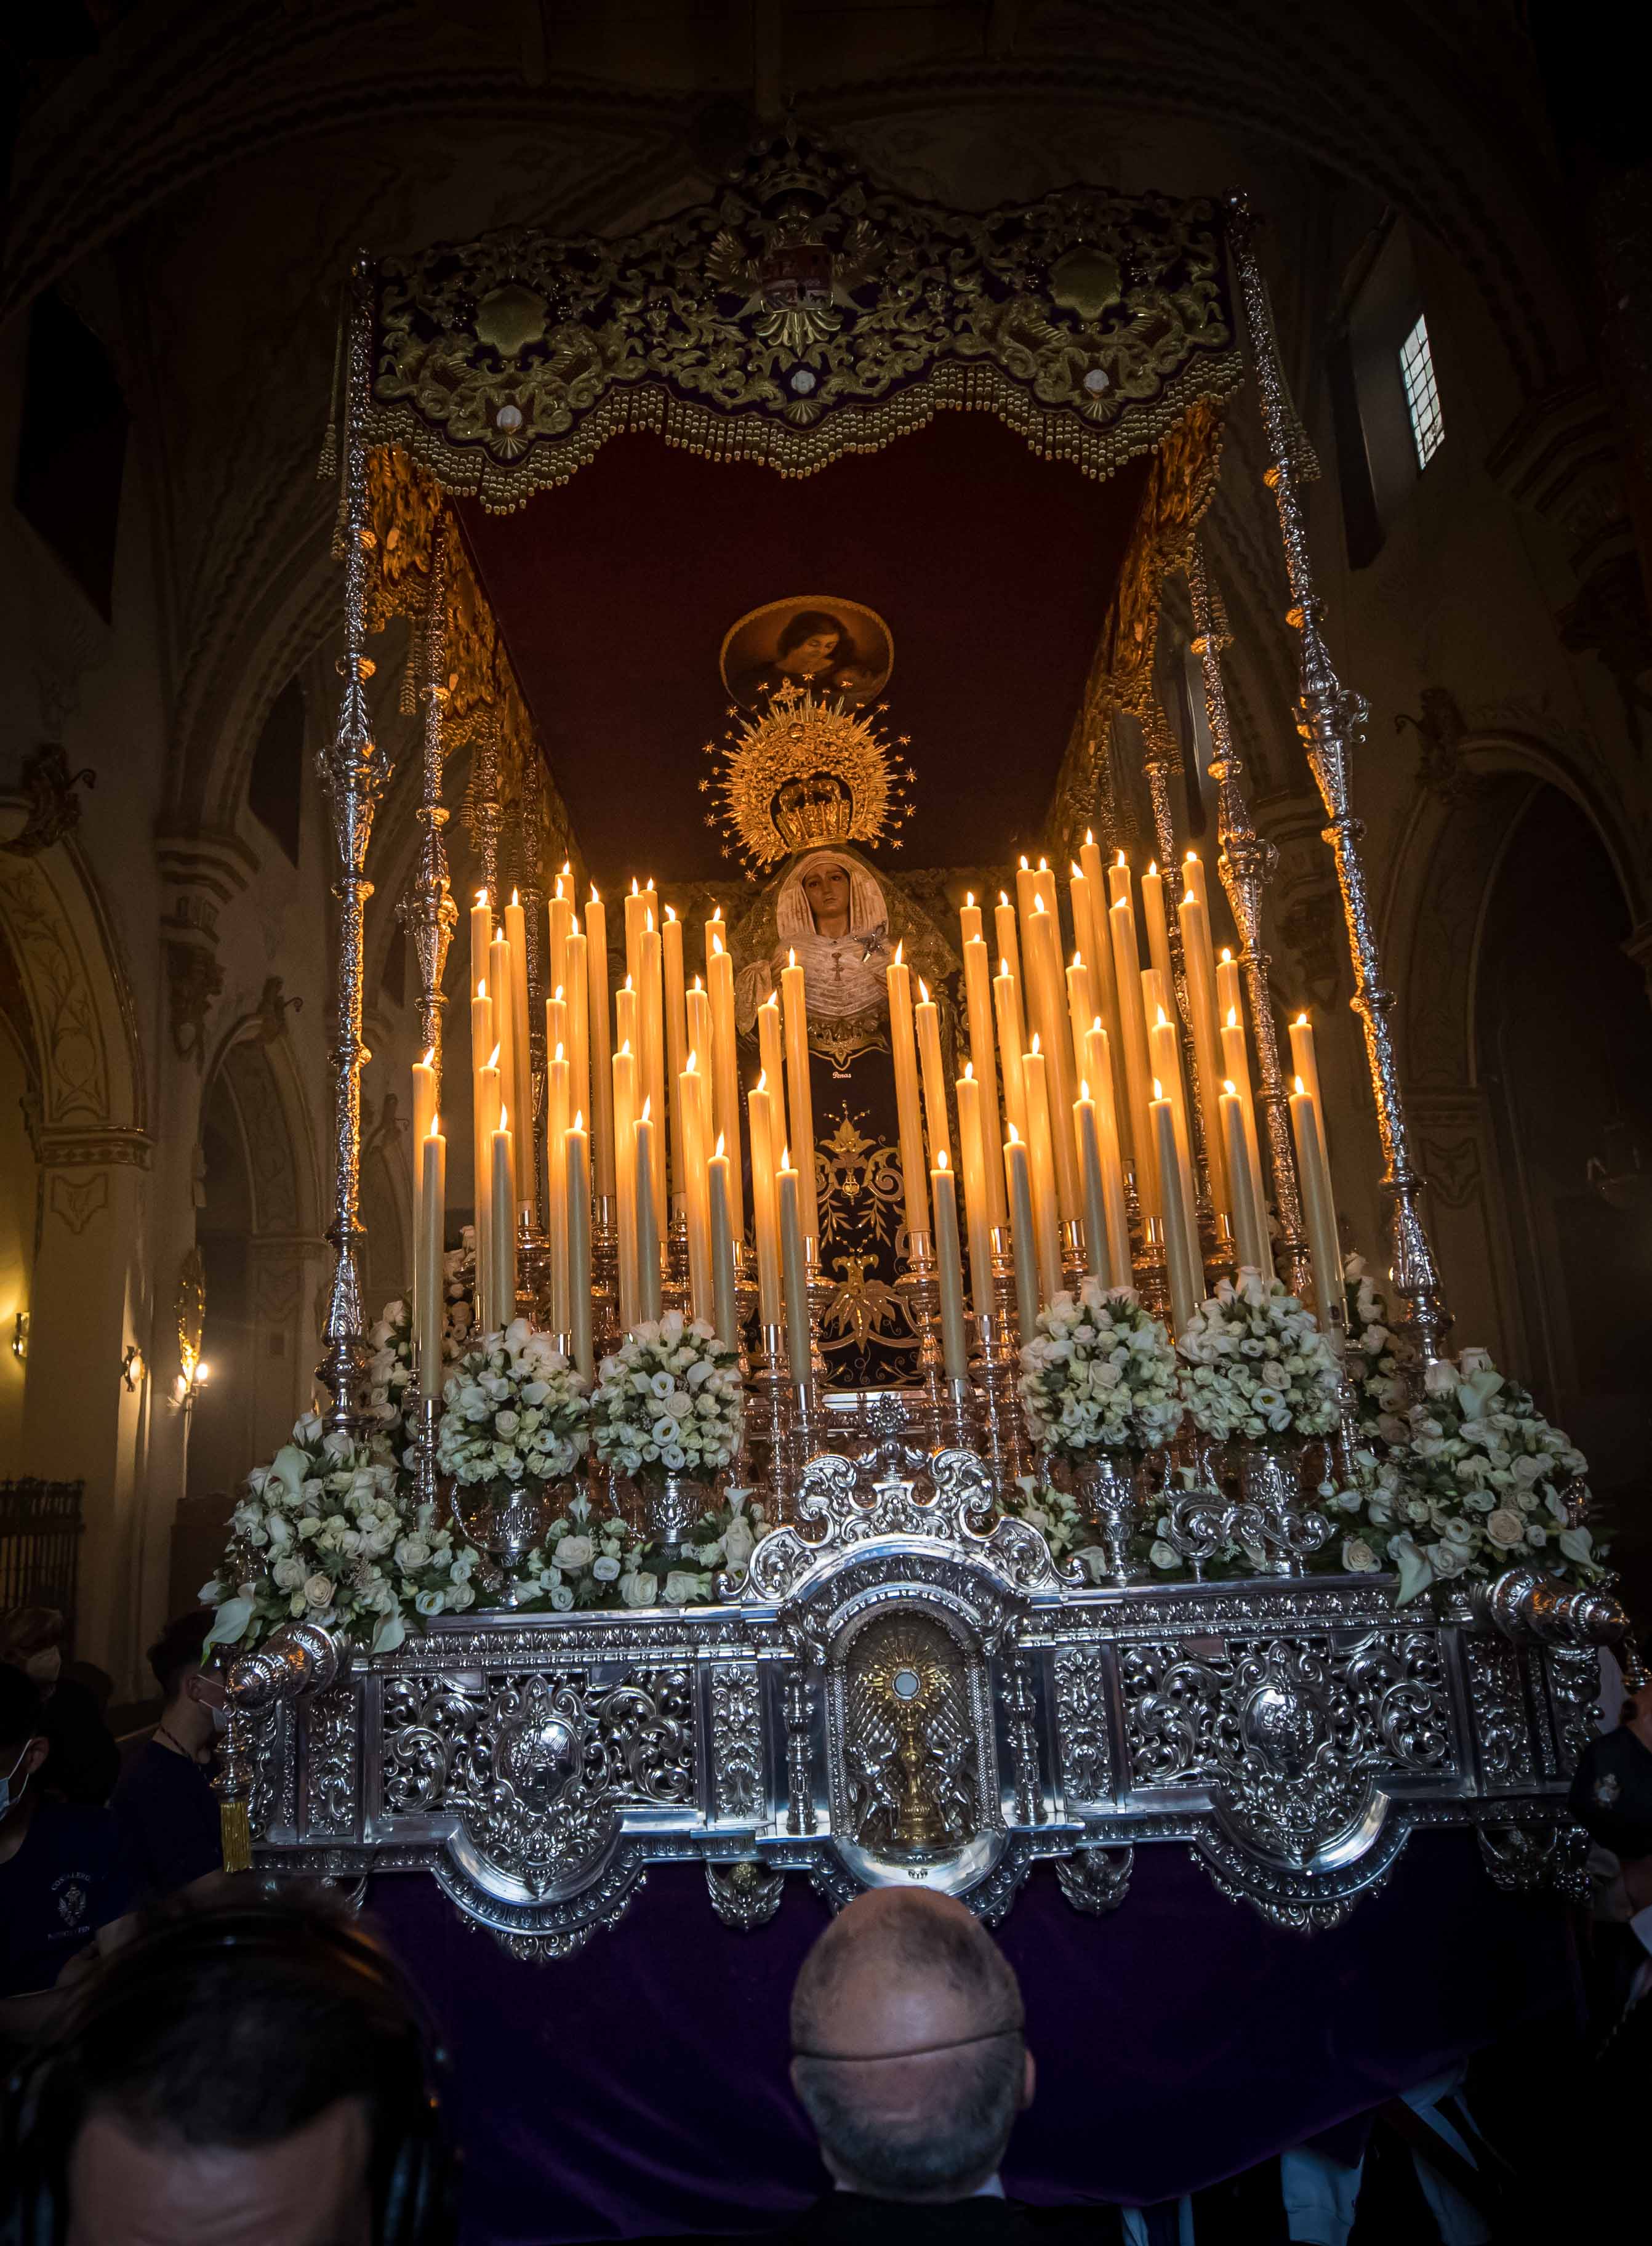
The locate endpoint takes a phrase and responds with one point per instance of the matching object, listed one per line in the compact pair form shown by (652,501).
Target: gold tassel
(235,1836)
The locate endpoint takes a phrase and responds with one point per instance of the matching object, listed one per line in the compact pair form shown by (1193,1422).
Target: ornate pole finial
(1331,719)
(355,773)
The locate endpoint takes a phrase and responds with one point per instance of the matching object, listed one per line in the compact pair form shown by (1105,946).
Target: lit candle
(1055,1039)
(977,1201)
(637,906)
(430,1288)
(424,1096)
(501,976)
(719,1186)
(1099,957)
(1098,1254)
(1229,995)
(1165,1045)
(1043,887)
(502,1221)
(559,920)
(698,1006)
(1249,1240)
(1012,1043)
(1041,1157)
(557,1122)
(1081,1005)
(725,1064)
(1152,912)
(596,1014)
(650,1018)
(904,1052)
(556,1028)
(579,1024)
(1304,1059)
(772,1051)
(522,1076)
(1007,938)
(977,992)
(1137,1080)
(1319,1209)
(943,1194)
(799,1098)
(484,1122)
(1198,963)
(481,936)
(1083,926)
(970,922)
(1098,1074)
(927,1021)
(1236,1068)
(764,1212)
(1026,889)
(624,1105)
(1018,1193)
(576,1179)
(794,1268)
(677,1044)
(691,1085)
(1179,1253)
(1193,878)
(648,1238)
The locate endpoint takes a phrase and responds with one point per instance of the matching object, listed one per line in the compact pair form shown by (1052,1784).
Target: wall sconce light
(133,1368)
(189,1383)
(20,1336)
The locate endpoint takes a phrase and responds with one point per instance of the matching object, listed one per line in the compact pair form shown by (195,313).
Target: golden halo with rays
(806,771)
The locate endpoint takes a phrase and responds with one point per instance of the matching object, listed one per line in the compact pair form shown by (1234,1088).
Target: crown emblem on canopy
(806,771)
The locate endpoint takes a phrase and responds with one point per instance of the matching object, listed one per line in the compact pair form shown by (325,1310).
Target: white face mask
(45,1667)
(219,1721)
(8,1801)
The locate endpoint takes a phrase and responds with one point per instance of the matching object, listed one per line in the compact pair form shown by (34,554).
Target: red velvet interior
(992,568)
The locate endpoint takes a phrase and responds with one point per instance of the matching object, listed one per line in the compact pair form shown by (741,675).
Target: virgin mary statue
(831,912)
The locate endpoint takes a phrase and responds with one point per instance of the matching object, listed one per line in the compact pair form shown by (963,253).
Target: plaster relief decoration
(195,978)
(54,808)
(68,1034)
(78,1203)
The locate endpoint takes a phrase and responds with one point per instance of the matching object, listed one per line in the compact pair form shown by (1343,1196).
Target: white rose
(638,1589)
(1505,1529)
(319,1591)
(605,1569)
(289,1574)
(738,1543)
(561,1598)
(1358,1558)
(681,1585)
(413,1552)
(574,1552)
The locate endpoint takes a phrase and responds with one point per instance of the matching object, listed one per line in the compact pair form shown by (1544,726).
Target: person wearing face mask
(65,1884)
(164,1798)
(85,1759)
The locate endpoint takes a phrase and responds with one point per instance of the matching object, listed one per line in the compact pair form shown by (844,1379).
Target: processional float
(888,1667)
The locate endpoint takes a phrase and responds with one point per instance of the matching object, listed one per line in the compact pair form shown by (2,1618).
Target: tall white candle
(1135,1084)
(943,1195)
(598,1016)
(429,1290)
(1022,1234)
(579,1024)
(979,1213)
(1012,1043)
(799,1096)
(556,1123)
(522,1076)
(726,1064)
(927,1020)
(978,991)
(1102,1090)
(484,1123)
(690,1084)
(1098,1254)
(650,1016)
(1237,1069)
(794,1270)
(760,1104)
(1249,1240)
(1319,1209)
(720,1191)
(903,1052)
(482,938)
(576,1185)
(424,1096)
(558,923)
(501,974)
(1055,1036)
(648,1237)
(675,1043)
(623,1069)
(502,1223)
(1042,1161)
(1200,963)
(1179,1253)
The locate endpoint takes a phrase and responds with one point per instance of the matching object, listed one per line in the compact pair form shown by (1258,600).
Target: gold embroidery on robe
(859,1187)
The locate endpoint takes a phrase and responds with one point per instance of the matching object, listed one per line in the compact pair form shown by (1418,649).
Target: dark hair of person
(179,1648)
(955,2144)
(21,1709)
(235,2026)
(25,1630)
(805,624)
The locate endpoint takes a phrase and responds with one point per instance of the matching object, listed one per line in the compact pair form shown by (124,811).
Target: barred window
(1422,394)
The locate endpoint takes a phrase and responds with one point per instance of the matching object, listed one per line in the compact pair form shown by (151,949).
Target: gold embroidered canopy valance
(802,314)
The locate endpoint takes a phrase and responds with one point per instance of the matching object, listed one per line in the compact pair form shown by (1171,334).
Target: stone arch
(1440,886)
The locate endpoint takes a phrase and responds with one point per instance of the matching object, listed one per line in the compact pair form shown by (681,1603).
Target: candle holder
(803,1400)
(605,1277)
(958,1403)
(1153,1272)
(1001,1429)
(820,1290)
(533,1271)
(745,1303)
(921,1286)
(428,1413)
(1222,1262)
(1074,1257)
(674,1277)
(769,1386)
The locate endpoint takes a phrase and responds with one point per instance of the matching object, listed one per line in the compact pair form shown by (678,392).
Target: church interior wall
(217,304)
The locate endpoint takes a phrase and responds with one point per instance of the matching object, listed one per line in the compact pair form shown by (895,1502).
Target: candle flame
(1301,1086)
(1192,859)
(1083,1087)
(1035,1041)
(1228,1084)
(559,1054)
(1089,839)
(647,1104)
(430,1055)
(969,1071)
(504,1117)
(559,994)
(482,988)
(941,1158)
(688,1065)
(481,898)
(625,1050)
(718,914)
(517,902)
(1023,862)
(718,1156)
(1162,1024)
(1077,871)
(899,949)
(1004,899)
(1227,957)
(785,1158)
(1300,1023)
(1079,959)
(572,923)
(648,922)
(1158,1089)
(762,1084)
(568,865)
(578,1119)
(1123,862)
(1003,964)
(494,1058)
(923,990)
(634,890)
(1015,1136)
(1096,1026)
(1043,865)
(597,894)
(628,982)
(1232,1018)
(1038,902)
(1189,898)
(435,1130)
(1152,869)
(717,948)
(670,912)
(697,981)
(792,957)
(968,896)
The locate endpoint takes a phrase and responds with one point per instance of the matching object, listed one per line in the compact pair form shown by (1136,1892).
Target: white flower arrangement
(1256,1364)
(585,1562)
(1477,1482)
(323,1534)
(1375,1358)
(391,1335)
(513,1406)
(1100,1374)
(669,1401)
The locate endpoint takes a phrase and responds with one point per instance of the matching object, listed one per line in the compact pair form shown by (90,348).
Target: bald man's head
(907,2047)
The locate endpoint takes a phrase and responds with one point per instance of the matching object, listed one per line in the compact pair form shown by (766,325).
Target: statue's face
(826,887)
(811,656)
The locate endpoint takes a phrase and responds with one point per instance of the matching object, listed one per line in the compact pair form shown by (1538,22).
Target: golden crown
(806,770)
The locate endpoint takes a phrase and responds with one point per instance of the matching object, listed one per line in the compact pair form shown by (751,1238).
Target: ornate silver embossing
(1502,1734)
(745,1895)
(1095,1881)
(1081,1724)
(799,1716)
(1574,1691)
(737,1740)
(330,1790)
(906,1739)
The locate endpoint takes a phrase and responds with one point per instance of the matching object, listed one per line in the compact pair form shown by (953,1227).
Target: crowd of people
(190,2057)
